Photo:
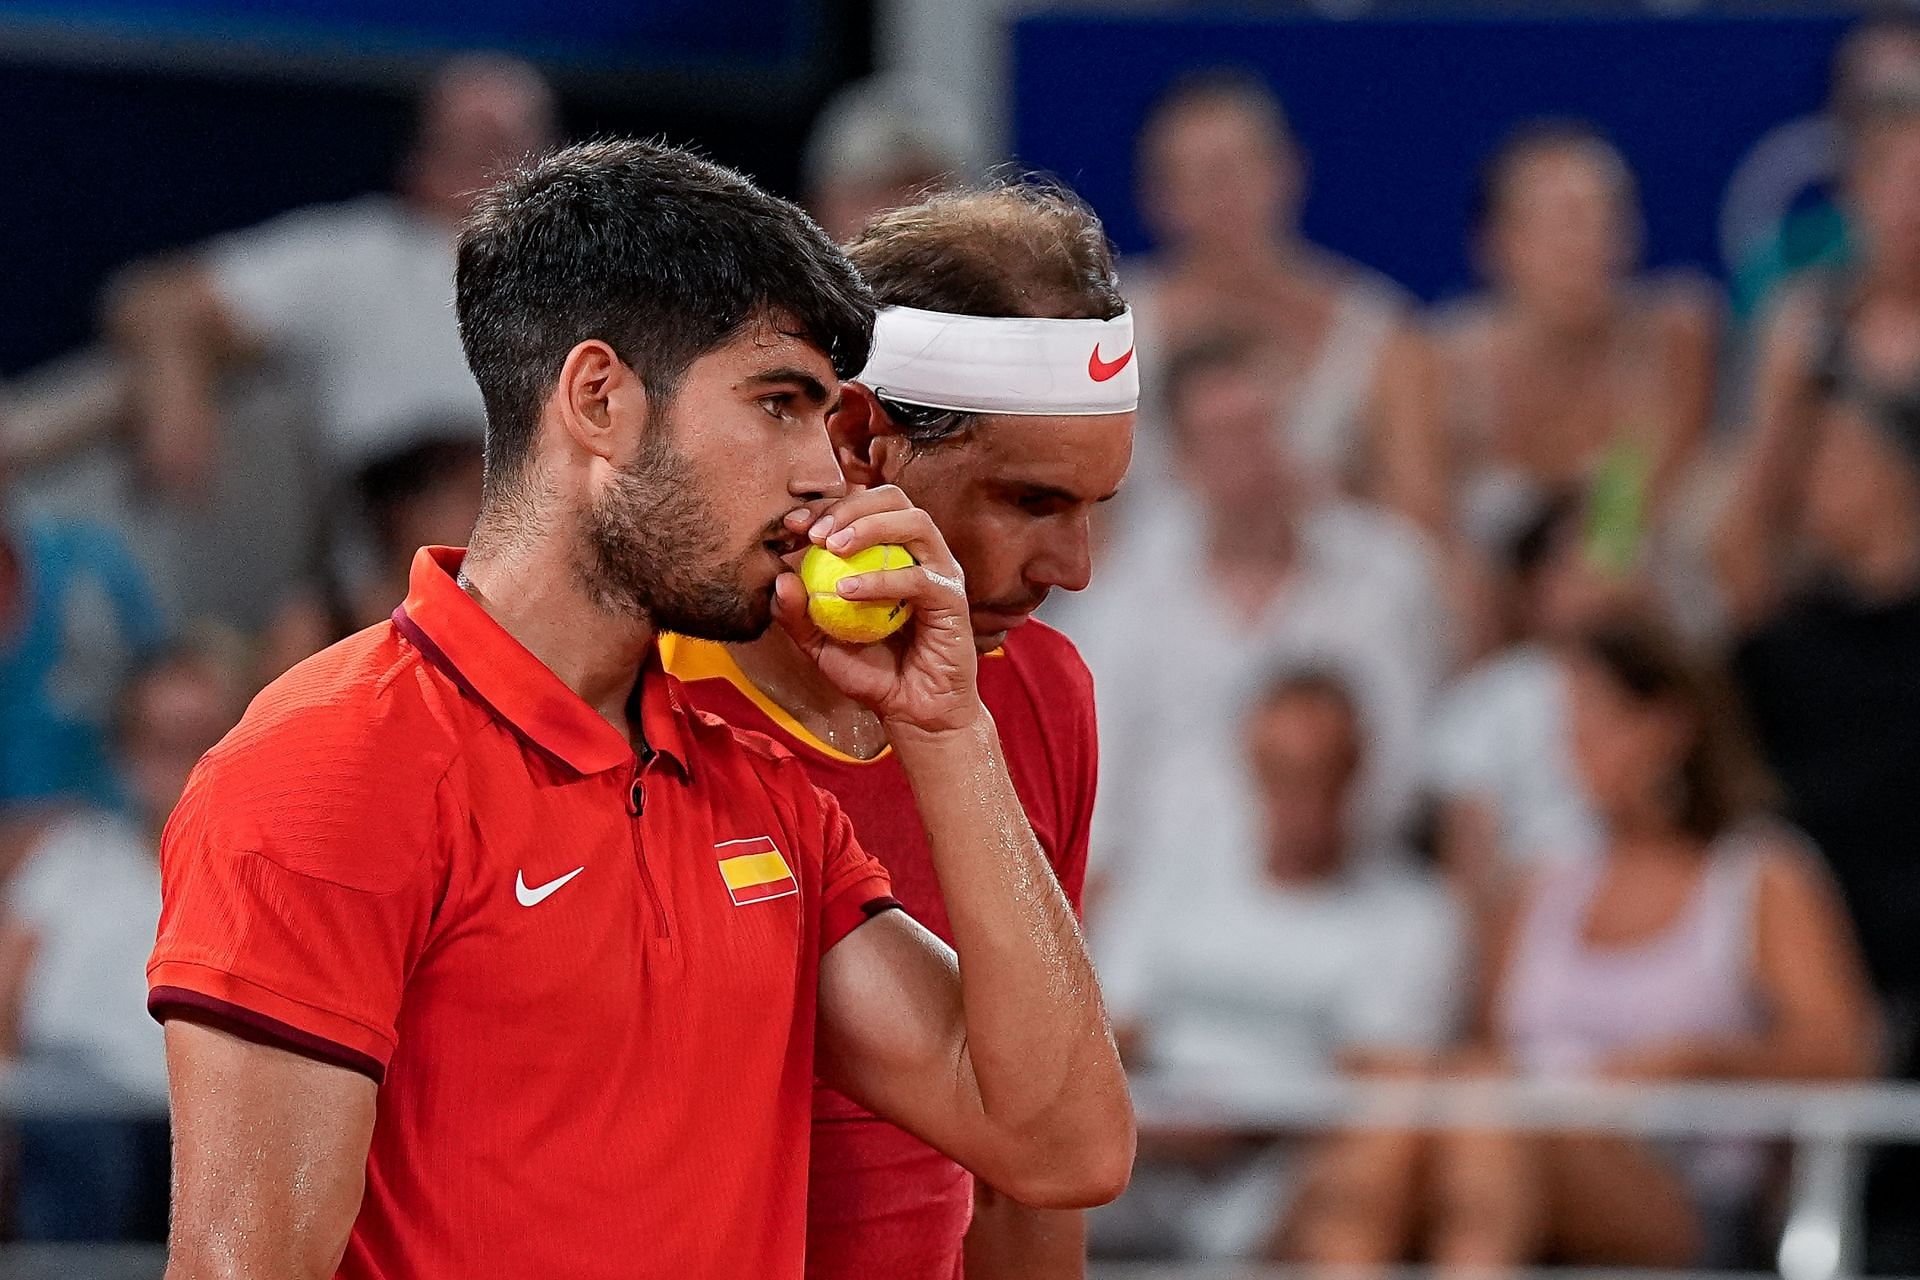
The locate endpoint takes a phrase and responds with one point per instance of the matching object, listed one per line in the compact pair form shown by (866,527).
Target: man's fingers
(790,611)
(919,585)
(856,506)
(911,528)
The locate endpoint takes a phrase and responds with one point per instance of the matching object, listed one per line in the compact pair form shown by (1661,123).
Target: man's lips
(784,542)
(999,617)
(787,548)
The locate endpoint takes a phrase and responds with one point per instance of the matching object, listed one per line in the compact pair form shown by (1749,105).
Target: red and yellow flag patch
(755,871)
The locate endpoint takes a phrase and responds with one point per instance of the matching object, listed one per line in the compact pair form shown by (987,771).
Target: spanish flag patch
(755,871)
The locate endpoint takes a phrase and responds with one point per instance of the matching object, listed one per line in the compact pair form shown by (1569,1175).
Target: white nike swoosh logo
(539,893)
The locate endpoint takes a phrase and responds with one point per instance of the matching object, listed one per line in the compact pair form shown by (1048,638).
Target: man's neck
(778,669)
(532,588)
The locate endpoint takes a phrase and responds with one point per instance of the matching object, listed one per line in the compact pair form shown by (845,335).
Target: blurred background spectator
(1506,796)
(1770,236)
(81,903)
(1246,560)
(1567,360)
(425,495)
(1277,941)
(1820,548)
(76,614)
(1697,943)
(355,298)
(876,146)
(1222,182)
(1447,429)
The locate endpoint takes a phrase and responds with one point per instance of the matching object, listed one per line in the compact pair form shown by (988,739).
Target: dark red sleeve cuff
(166,1003)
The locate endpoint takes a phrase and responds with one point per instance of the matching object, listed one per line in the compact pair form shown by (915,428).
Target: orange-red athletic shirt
(583,976)
(880,1202)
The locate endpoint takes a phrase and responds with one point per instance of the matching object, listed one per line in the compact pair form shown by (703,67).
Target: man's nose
(816,475)
(1066,562)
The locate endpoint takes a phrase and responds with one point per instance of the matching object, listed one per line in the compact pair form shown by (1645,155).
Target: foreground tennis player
(1000,397)
(481,957)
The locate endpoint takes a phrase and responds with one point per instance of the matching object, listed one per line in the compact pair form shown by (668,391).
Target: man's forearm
(1012,1241)
(1037,1040)
(169,324)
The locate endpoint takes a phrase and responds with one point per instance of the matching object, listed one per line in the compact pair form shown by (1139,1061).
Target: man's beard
(654,552)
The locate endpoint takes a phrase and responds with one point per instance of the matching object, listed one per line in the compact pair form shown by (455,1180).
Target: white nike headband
(977,364)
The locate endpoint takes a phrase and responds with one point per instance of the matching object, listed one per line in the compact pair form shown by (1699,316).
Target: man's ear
(601,401)
(866,440)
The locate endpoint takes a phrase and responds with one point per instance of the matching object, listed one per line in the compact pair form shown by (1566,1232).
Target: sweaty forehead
(1086,456)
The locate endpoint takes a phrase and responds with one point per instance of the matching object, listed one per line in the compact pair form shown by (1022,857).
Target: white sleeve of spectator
(1122,692)
(1460,751)
(1412,996)
(1432,615)
(1122,944)
(272,279)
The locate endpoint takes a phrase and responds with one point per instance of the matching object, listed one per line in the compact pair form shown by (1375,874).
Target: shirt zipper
(636,809)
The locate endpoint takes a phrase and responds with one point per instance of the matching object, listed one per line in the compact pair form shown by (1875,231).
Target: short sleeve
(854,887)
(283,923)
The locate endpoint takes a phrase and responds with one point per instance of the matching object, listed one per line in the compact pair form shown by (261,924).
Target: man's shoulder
(1043,669)
(364,722)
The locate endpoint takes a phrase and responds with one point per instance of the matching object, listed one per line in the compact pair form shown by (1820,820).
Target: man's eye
(1041,504)
(776,406)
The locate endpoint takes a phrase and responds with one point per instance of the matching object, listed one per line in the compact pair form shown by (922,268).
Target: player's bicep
(892,1029)
(269,1156)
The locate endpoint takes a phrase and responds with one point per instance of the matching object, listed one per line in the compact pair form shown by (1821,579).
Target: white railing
(1825,1126)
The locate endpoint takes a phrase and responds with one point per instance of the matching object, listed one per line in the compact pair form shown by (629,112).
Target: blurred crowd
(1522,688)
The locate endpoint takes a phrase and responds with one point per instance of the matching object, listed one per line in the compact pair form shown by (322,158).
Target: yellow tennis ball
(853,621)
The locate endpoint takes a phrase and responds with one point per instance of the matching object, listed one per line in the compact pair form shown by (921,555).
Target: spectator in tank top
(1699,945)
(1222,178)
(1568,357)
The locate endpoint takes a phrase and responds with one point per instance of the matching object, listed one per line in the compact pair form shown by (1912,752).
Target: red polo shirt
(881,1202)
(584,977)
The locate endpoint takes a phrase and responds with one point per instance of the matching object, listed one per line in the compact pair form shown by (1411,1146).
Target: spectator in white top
(1246,565)
(877,145)
(1277,944)
(355,298)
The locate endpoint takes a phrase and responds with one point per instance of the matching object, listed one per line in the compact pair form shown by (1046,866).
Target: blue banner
(633,33)
(1396,115)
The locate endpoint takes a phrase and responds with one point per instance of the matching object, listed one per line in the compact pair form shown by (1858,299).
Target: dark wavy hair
(1721,780)
(656,251)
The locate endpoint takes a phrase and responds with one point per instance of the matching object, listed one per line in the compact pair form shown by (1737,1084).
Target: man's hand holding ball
(876,562)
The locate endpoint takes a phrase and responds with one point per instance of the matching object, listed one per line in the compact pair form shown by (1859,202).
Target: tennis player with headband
(1000,396)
